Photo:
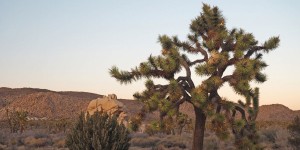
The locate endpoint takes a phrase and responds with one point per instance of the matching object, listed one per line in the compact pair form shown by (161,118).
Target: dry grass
(36,142)
(31,139)
(160,141)
(272,136)
(275,138)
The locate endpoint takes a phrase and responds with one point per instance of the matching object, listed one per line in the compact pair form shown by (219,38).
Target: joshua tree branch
(198,61)
(202,51)
(254,49)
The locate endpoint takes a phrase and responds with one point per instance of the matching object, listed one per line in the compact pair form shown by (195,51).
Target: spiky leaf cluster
(244,127)
(98,132)
(17,120)
(220,47)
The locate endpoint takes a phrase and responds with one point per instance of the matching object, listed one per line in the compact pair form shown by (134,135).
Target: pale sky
(69,45)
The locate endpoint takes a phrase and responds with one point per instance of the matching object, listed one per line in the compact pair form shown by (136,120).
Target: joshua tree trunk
(199,129)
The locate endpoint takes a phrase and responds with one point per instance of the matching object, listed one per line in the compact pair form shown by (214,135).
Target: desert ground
(52,115)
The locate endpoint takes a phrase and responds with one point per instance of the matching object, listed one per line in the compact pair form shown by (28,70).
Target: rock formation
(109,104)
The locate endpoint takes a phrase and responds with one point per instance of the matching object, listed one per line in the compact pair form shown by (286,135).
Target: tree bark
(199,129)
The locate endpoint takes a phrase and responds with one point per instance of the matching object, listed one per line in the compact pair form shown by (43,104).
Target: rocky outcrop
(110,105)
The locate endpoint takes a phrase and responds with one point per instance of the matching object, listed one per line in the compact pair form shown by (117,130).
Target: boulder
(110,105)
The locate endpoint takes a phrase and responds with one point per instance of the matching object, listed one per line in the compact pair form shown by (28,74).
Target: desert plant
(134,124)
(22,119)
(270,135)
(154,127)
(135,121)
(218,48)
(294,129)
(17,120)
(244,126)
(98,132)
(182,120)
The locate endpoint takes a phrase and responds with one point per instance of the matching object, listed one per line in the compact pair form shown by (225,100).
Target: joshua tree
(243,126)
(17,120)
(215,48)
(22,119)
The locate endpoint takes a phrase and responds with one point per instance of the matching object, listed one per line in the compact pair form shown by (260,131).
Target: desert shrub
(2,138)
(160,142)
(211,144)
(139,135)
(270,134)
(36,142)
(153,128)
(40,135)
(59,143)
(294,129)
(172,144)
(99,131)
(134,124)
(144,142)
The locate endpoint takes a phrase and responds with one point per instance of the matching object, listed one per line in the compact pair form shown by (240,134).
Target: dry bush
(272,124)
(275,138)
(144,142)
(2,138)
(139,135)
(60,143)
(269,135)
(171,144)
(139,148)
(36,142)
(211,143)
(161,141)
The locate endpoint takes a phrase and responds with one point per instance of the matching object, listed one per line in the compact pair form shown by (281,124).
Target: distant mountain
(54,105)
(276,112)
(44,103)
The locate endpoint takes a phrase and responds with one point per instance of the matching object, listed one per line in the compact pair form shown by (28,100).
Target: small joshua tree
(294,129)
(98,132)
(22,119)
(17,120)
(244,126)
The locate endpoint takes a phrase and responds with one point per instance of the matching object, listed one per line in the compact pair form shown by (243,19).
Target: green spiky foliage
(216,49)
(17,120)
(135,121)
(244,126)
(22,119)
(294,129)
(182,120)
(98,132)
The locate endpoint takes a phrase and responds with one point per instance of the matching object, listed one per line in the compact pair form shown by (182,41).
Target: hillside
(54,105)
(276,112)
(44,103)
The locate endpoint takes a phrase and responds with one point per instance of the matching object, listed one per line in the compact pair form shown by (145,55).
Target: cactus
(98,132)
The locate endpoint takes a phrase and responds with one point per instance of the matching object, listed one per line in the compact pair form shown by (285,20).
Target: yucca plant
(98,132)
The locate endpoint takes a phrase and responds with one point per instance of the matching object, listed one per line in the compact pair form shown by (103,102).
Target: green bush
(98,132)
